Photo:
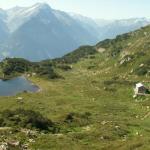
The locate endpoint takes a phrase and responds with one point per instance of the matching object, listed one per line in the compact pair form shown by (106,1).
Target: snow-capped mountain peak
(19,15)
(41,6)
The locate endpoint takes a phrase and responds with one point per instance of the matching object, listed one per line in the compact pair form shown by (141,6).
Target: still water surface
(16,85)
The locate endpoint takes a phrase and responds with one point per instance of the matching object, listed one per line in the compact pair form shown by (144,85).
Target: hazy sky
(106,9)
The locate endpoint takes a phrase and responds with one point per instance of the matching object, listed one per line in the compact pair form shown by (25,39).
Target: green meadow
(91,104)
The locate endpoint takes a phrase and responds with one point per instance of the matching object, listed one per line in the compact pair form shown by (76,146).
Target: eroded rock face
(4,146)
(126,59)
(13,145)
(101,50)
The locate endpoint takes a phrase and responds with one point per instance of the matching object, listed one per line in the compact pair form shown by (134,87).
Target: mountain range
(40,32)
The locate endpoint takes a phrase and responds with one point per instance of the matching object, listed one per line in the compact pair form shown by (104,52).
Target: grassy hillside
(92,106)
(75,56)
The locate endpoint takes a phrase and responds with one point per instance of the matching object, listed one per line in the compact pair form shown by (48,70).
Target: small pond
(16,85)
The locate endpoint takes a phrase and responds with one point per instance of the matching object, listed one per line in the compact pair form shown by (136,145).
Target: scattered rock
(104,122)
(131,71)
(29,132)
(25,146)
(19,98)
(125,60)
(31,141)
(4,146)
(105,88)
(135,96)
(145,33)
(124,138)
(14,143)
(87,128)
(141,65)
(117,127)
(137,116)
(28,75)
(101,50)
(137,133)
(33,74)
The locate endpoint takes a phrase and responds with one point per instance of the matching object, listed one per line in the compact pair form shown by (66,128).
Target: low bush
(64,67)
(141,71)
(91,67)
(26,119)
(77,120)
(14,65)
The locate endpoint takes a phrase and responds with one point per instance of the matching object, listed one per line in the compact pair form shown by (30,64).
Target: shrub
(141,71)
(91,67)
(76,119)
(64,67)
(15,65)
(26,119)
(46,71)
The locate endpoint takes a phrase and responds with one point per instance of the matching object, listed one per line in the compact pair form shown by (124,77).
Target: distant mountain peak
(17,16)
(41,6)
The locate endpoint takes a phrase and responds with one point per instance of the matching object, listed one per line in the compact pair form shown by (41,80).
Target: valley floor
(115,120)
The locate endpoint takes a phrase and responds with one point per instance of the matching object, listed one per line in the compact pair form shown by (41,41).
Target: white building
(140,89)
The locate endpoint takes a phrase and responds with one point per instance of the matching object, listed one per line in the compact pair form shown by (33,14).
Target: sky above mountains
(106,9)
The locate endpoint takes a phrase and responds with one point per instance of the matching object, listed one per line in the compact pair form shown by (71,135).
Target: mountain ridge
(19,25)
